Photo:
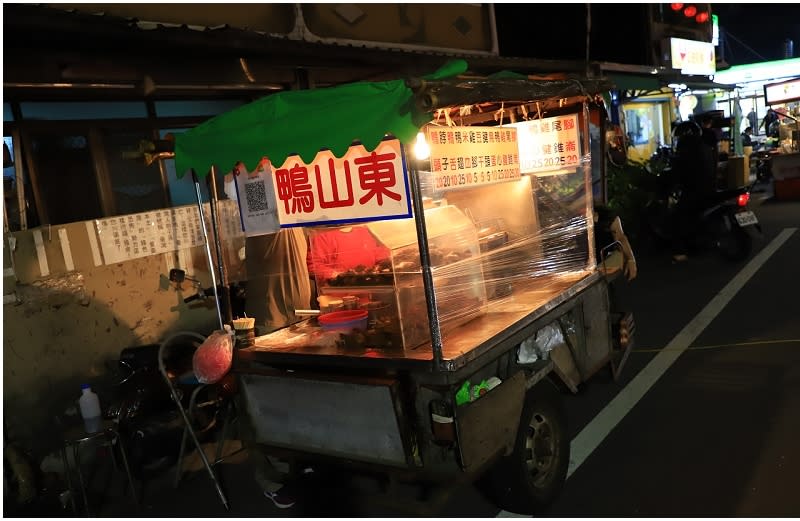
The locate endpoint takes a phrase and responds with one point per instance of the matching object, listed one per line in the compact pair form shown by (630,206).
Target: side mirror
(177,275)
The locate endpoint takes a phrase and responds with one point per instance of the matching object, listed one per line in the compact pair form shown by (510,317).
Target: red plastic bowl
(348,319)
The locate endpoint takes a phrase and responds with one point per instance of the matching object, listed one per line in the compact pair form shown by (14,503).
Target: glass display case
(391,289)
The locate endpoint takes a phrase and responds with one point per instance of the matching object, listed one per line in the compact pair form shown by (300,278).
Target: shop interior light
(421,149)
(702,17)
(690,11)
(676,7)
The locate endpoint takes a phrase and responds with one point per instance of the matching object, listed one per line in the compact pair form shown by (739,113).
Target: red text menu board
(362,185)
(548,144)
(466,157)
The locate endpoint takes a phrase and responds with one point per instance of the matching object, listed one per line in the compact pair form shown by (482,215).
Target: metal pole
(425,262)
(223,277)
(16,143)
(208,247)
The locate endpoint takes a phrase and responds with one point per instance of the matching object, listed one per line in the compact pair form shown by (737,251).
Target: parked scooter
(718,219)
(721,222)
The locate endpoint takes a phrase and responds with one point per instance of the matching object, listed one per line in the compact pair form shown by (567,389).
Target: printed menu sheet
(133,236)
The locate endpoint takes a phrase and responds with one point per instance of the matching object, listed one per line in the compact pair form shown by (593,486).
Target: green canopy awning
(635,82)
(301,122)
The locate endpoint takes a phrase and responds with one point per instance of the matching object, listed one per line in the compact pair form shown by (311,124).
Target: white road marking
(596,431)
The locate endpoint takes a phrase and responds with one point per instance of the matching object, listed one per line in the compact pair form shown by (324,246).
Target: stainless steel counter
(502,319)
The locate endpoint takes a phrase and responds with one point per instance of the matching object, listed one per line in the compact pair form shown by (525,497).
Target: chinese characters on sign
(548,144)
(149,233)
(361,185)
(465,157)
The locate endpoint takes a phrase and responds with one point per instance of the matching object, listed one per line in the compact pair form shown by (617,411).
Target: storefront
(749,81)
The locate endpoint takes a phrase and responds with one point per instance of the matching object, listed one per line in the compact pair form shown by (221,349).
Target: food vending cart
(452,256)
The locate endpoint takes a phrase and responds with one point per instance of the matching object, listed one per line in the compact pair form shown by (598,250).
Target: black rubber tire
(542,435)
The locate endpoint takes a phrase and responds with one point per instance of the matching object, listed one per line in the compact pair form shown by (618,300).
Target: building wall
(68,327)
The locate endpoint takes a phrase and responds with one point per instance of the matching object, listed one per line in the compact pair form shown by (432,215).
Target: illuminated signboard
(466,157)
(548,144)
(692,57)
(362,185)
(783,92)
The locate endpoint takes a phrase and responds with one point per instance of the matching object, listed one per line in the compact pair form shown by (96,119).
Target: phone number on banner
(464,179)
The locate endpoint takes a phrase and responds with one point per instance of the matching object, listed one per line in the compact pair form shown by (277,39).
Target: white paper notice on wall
(133,236)
(256,197)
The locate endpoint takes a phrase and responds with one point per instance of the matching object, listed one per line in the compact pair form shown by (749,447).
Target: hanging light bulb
(421,149)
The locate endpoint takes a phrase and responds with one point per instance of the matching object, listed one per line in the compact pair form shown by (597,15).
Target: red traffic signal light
(690,11)
(701,18)
(676,7)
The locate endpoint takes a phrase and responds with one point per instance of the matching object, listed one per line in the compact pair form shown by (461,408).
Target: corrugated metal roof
(254,41)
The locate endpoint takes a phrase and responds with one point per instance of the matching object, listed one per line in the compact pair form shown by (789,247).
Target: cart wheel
(531,478)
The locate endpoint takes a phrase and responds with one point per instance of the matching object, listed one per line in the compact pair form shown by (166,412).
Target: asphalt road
(717,434)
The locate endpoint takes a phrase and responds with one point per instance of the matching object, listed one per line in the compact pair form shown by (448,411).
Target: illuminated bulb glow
(690,11)
(421,149)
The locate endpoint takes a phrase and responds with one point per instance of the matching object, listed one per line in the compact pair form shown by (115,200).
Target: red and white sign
(359,186)
(465,157)
(693,57)
(548,144)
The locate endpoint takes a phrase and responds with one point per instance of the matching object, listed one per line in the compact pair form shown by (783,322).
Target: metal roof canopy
(67,42)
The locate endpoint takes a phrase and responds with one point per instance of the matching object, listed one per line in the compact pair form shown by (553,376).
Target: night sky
(761,27)
(557,31)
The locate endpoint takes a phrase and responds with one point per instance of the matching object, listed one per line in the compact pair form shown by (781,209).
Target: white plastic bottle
(90,409)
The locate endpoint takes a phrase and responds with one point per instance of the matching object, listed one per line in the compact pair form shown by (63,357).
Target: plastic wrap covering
(532,230)
(507,245)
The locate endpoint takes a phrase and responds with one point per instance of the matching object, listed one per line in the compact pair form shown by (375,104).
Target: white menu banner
(466,157)
(362,185)
(548,144)
(133,236)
